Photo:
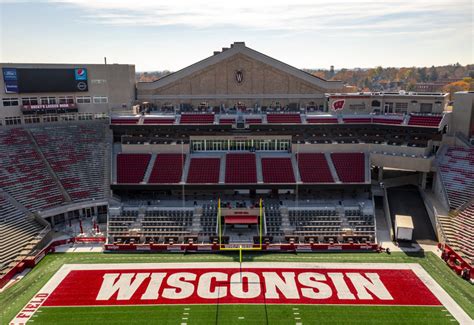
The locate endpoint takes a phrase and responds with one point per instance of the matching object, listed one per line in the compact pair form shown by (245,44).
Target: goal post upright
(240,248)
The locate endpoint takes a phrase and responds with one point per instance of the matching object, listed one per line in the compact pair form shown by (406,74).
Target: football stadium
(237,190)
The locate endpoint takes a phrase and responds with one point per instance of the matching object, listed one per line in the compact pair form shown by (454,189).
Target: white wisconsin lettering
(124,285)
(311,280)
(237,285)
(180,288)
(156,279)
(287,286)
(343,291)
(373,284)
(204,286)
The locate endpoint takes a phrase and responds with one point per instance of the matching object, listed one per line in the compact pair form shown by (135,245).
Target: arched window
(375,103)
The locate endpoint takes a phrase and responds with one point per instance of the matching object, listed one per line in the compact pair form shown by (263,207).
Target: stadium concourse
(238,151)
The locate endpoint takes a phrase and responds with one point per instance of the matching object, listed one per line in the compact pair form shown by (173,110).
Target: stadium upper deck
(236,122)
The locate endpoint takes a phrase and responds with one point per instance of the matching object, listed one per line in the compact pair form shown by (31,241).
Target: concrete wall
(359,147)
(115,81)
(400,162)
(155,148)
(463,114)
(263,84)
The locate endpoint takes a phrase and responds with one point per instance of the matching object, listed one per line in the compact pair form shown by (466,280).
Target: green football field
(243,314)
(16,297)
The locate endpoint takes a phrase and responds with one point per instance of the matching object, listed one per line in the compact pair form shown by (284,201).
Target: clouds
(170,34)
(388,16)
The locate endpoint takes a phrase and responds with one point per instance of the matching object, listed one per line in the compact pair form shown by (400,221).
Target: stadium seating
(273,219)
(277,170)
(361,224)
(156,120)
(159,224)
(382,120)
(353,120)
(240,168)
(167,169)
(425,120)
(197,119)
(226,120)
(457,173)
(350,167)
(120,226)
(464,223)
(321,120)
(123,120)
(82,168)
(313,168)
(18,234)
(204,170)
(315,223)
(131,168)
(283,118)
(209,220)
(253,120)
(321,223)
(23,173)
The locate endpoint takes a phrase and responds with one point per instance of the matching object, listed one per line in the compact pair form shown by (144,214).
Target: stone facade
(238,74)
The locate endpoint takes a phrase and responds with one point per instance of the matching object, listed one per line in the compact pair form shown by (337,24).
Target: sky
(172,34)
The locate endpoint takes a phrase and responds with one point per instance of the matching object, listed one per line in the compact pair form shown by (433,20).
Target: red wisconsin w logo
(239,76)
(338,105)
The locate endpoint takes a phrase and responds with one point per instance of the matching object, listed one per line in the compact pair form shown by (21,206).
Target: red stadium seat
(131,168)
(277,170)
(241,168)
(204,171)
(350,167)
(313,168)
(168,169)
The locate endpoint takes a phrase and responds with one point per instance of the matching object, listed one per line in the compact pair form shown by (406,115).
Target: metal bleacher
(18,233)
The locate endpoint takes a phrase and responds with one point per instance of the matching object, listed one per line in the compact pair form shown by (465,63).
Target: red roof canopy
(243,220)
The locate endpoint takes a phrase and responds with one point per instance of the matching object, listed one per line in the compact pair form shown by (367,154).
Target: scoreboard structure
(44,80)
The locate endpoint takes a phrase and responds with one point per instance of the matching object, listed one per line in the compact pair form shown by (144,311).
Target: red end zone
(229,286)
(253,283)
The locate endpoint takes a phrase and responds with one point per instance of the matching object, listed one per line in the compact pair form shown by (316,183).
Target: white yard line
(457,312)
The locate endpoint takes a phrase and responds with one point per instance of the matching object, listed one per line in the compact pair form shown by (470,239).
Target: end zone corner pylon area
(217,288)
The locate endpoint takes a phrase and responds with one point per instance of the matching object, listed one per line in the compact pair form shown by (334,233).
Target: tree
(422,75)
(456,86)
(433,73)
(410,86)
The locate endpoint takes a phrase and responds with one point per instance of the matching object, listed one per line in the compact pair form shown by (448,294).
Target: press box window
(10,101)
(100,100)
(26,101)
(48,100)
(12,120)
(66,100)
(83,99)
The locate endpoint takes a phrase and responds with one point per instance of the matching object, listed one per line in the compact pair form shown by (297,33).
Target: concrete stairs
(258,161)
(332,168)
(367,167)
(196,225)
(187,162)
(222,169)
(49,168)
(296,170)
(448,226)
(149,169)
(285,221)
